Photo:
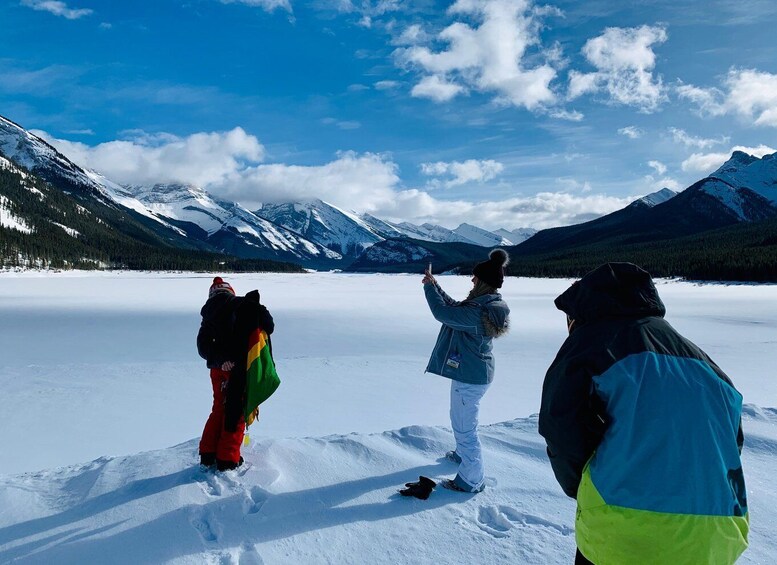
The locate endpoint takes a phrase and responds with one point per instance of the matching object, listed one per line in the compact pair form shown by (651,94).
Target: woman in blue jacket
(463,353)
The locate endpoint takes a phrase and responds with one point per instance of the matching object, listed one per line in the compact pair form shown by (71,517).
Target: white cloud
(708,162)
(437,88)
(228,165)
(681,136)
(709,100)
(572,116)
(368,10)
(202,159)
(624,60)
(267,5)
(342,124)
(412,35)
(658,166)
(543,210)
(656,184)
(462,172)
(632,132)
(753,94)
(361,182)
(57,8)
(749,93)
(386,84)
(488,58)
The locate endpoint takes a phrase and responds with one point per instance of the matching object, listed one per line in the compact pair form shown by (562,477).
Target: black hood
(215,304)
(614,290)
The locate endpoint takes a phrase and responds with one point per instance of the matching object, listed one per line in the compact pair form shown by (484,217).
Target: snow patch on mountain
(745,171)
(516,236)
(192,204)
(479,236)
(431,232)
(70,231)
(323,223)
(727,195)
(657,198)
(9,220)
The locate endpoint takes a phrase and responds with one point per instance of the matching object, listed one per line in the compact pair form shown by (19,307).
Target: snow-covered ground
(100,376)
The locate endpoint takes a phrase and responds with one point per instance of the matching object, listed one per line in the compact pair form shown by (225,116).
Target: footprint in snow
(254,500)
(206,526)
(210,484)
(249,555)
(499,520)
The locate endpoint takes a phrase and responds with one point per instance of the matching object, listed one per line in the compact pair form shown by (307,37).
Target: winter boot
(453,456)
(458,485)
(207,459)
(222,465)
(420,489)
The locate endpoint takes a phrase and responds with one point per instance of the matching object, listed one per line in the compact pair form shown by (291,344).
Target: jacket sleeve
(265,320)
(569,420)
(204,340)
(447,299)
(460,316)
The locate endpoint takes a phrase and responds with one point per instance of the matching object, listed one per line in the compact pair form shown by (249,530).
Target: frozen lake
(99,364)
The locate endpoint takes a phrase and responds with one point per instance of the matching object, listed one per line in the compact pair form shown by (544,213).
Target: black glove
(420,489)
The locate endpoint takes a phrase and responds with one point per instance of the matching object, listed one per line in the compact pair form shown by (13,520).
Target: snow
(728,195)
(70,231)
(479,236)
(323,223)
(9,219)
(100,377)
(518,235)
(746,171)
(659,197)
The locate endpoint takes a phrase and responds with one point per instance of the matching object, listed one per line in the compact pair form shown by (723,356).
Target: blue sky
(501,113)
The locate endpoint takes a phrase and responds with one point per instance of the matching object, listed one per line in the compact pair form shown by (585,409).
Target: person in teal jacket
(643,429)
(463,353)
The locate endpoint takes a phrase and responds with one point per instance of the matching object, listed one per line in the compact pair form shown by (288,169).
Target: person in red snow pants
(215,439)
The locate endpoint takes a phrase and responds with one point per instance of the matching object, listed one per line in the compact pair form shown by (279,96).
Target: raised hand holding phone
(428,278)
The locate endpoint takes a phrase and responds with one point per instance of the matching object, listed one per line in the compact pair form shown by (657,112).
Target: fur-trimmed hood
(496,314)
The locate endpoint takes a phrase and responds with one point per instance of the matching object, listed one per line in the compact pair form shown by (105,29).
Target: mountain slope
(516,236)
(56,214)
(711,203)
(228,227)
(325,224)
(412,256)
(479,236)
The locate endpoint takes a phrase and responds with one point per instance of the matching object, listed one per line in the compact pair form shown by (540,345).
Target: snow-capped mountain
(655,198)
(382,227)
(323,223)
(227,225)
(516,236)
(742,184)
(744,189)
(430,232)
(479,236)
(40,158)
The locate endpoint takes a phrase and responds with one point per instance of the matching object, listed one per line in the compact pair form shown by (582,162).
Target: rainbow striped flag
(261,378)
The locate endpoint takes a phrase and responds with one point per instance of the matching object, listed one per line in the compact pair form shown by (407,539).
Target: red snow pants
(215,439)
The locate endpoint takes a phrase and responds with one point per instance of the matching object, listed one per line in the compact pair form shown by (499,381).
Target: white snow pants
(465,405)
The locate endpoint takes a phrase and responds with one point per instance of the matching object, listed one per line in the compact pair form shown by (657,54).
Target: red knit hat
(220,285)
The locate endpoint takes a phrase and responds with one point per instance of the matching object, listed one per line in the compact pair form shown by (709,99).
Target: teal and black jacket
(643,429)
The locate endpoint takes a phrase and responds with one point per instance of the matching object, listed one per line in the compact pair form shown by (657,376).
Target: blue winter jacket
(463,348)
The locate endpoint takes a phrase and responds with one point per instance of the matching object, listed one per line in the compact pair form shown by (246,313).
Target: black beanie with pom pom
(492,272)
